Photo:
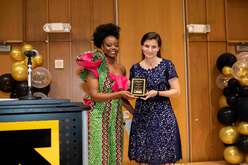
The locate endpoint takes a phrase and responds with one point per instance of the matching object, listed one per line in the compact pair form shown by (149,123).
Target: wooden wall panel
(5,67)
(11,20)
(204,97)
(237,13)
(217,20)
(130,36)
(103,12)
(199,100)
(35,17)
(196,14)
(81,41)
(231,47)
(216,147)
(61,78)
(166,18)
(59,47)
(59,11)
(81,20)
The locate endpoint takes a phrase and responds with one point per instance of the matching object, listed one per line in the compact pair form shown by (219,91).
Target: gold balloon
(222,101)
(243,128)
(228,134)
(244,81)
(227,71)
(17,55)
(18,63)
(240,72)
(243,73)
(233,155)
(27,47)
(38,60)
(19,72)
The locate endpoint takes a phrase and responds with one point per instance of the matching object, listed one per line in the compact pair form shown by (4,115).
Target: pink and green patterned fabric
(105,119)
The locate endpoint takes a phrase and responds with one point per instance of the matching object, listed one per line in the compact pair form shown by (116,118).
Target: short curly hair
(104,30)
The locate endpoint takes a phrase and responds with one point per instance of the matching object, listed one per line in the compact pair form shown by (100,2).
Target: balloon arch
(233,106)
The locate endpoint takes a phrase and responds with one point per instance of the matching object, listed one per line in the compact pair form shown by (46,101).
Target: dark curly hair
(103,31)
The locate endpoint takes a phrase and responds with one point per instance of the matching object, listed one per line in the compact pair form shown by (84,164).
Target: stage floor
(204,163)
(193,163)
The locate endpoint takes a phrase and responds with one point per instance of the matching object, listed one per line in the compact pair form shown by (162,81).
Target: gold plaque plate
(138,87)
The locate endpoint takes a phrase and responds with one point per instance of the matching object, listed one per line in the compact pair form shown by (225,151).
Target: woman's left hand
(149,94)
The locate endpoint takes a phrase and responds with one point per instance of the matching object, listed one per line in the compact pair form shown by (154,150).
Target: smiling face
(110,47)
(150,48)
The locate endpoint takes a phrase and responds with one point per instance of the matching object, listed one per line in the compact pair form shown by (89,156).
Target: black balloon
(44,90)
(242,108)
(6,82)
(234,86)
(233,83)
(227,116)
(232,100)
(21,88)
(225,59)
(228,91)
(243,91)
(13,94)
(242,143)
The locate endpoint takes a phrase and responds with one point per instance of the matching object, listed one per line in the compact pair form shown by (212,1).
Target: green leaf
(84,74)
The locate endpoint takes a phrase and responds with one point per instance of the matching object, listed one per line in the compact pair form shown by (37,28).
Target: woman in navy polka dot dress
(154,136)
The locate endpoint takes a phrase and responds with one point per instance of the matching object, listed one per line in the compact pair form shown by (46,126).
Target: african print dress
(105,120)
(154,135)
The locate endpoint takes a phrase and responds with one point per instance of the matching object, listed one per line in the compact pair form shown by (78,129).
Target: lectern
(41,132)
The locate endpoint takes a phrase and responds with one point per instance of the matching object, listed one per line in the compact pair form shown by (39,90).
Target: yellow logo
(31,141)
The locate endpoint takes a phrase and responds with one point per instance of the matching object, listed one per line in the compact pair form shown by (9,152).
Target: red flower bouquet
(89,61)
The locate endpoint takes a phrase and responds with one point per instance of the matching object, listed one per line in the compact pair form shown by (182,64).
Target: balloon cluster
(233,104)
(16,82)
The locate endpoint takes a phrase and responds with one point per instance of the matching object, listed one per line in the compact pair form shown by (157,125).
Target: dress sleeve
(171,70)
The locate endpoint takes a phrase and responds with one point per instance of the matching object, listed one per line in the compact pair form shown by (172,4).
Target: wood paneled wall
(227,22)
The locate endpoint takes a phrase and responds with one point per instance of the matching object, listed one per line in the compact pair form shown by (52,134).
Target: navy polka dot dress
(154,135)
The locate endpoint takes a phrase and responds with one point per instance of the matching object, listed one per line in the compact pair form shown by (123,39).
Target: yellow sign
(36,129)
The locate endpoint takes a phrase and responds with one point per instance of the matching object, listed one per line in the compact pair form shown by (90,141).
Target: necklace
(149,64)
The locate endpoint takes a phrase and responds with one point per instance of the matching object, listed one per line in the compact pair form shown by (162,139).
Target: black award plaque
(138,87)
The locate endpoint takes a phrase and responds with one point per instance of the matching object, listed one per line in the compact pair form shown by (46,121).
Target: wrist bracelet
(157,93)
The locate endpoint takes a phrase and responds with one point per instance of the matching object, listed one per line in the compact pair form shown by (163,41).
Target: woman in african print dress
(154,136)
(106,86)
